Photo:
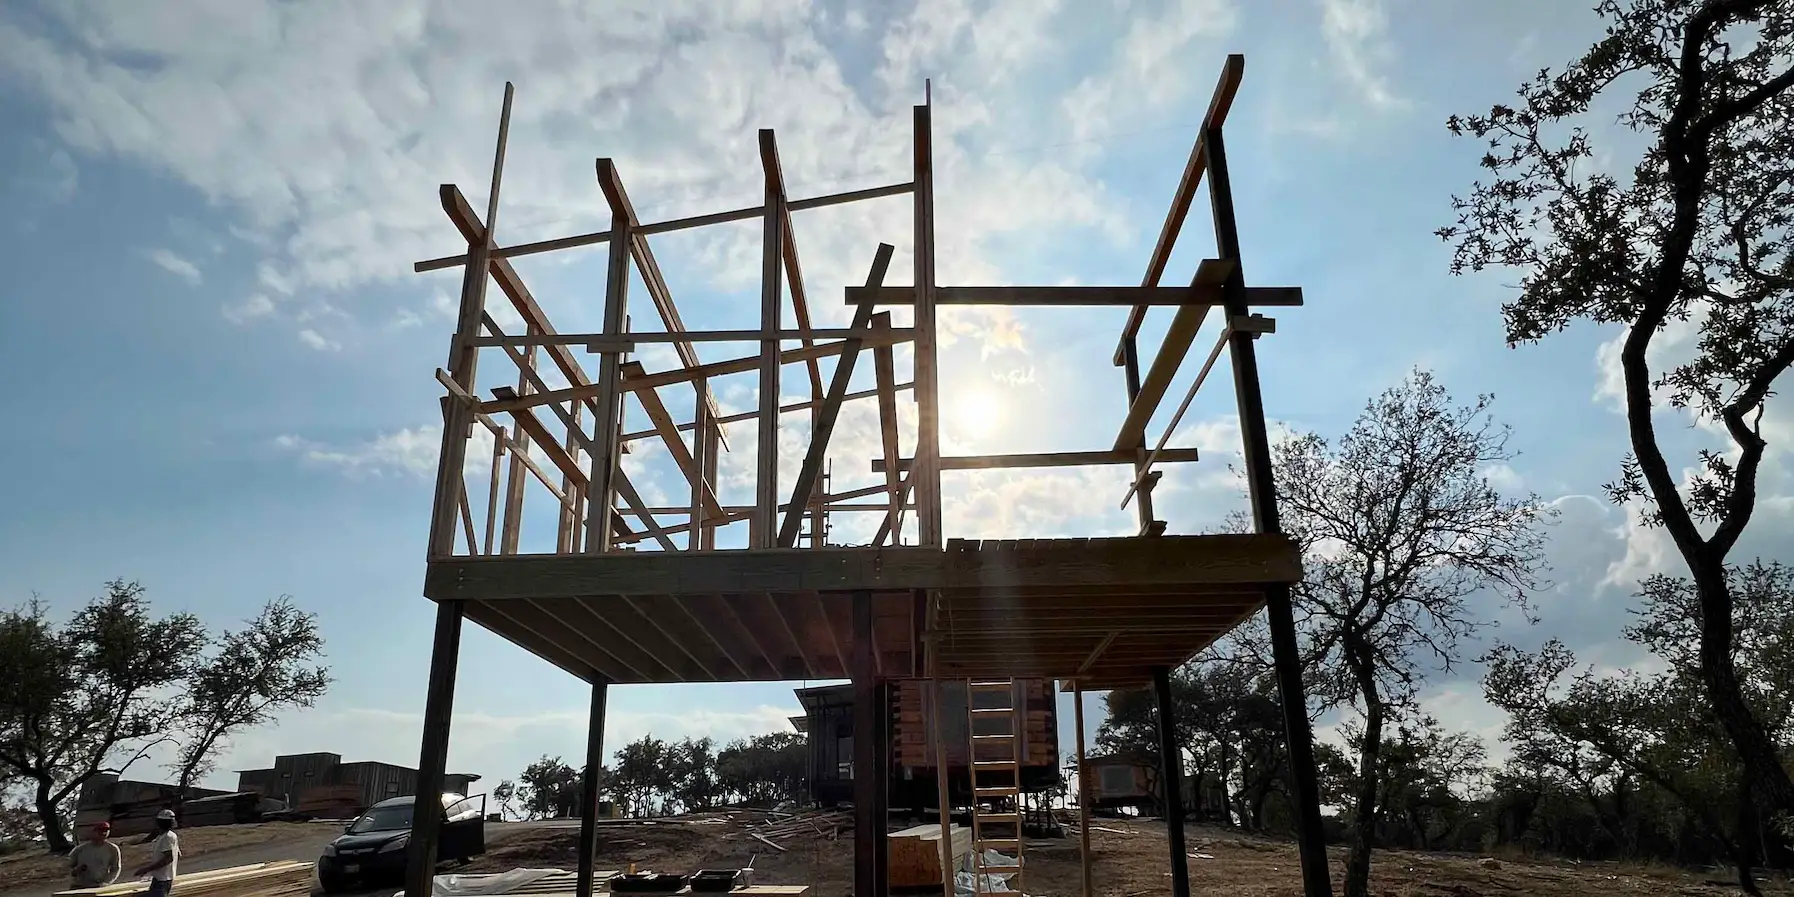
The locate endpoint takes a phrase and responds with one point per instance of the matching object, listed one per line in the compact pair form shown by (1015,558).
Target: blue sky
(221,361)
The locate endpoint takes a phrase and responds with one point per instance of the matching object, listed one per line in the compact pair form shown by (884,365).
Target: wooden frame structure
(634,593)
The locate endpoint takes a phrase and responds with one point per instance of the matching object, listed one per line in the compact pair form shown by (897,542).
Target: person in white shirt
(95,862)
(165,854)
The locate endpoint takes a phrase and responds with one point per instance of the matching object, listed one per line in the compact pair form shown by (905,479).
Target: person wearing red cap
(95,862)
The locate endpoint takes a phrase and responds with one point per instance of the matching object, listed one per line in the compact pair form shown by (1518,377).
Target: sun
(974,413)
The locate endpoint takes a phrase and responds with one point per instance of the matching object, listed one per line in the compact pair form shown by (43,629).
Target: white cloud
(313,340)
(1135,86)
(323,131)
(1354,31)
(256,306)
(63,178)
(174,264)
(409,452)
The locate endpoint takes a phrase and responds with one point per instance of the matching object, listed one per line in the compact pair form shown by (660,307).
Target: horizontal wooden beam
(750,415)
(662,227)
(1074,297)
(1039,567)
(686,375)
(598,342)
(1040,459)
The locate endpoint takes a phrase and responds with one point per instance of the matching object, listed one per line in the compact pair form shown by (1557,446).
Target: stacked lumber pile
(286,878)
(778,828)
(915,854)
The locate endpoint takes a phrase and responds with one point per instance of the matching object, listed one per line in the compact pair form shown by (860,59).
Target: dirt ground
(1129,860)
(35,870)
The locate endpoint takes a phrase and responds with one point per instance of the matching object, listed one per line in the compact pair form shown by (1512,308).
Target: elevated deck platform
(1105,611)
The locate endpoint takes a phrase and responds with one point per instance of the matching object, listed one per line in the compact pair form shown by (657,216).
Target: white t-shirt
(167,843)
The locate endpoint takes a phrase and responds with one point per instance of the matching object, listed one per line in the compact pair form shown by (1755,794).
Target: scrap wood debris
(816,824)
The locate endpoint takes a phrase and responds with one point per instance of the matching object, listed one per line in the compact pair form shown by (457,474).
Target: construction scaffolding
(637,593)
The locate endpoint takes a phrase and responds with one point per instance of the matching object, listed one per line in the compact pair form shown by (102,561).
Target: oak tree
(1694,232)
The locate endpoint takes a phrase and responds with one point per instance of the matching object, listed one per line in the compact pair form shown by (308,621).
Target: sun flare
(975,414)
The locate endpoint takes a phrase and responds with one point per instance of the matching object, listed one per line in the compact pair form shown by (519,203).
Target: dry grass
(32,869)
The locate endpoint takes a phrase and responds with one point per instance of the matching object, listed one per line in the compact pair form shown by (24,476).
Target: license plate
(351,868)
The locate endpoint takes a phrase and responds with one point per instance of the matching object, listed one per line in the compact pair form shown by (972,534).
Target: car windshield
(383,819)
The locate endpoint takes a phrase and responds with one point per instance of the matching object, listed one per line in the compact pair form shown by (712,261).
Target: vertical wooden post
(881,807)
(512,530)
(457,418)
(944,785)
(601,493)
(765,526)
(700,450)
(926,469)
(1261,485)
(1077,698)
(713,446)
(866,831)
(567,538)
(1171,772)
(432,759)
(588,811)
(1130,359)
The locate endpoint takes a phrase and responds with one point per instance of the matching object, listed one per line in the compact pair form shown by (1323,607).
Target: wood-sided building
(828,723)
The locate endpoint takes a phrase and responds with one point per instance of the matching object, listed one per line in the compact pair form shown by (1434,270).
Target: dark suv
(373,846)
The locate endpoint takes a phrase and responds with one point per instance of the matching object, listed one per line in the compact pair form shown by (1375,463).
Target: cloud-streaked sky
(220,362)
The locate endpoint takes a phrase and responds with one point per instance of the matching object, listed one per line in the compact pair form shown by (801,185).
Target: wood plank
(763,526)
(750,415)
(824,427)
(1039,459)
(663,421)
(662,227)
(884,371)
(1170,357)
(599,342)
(500,621)
(926,479)
(666,378)
(1219,103)
(1237,559)
(1200,293)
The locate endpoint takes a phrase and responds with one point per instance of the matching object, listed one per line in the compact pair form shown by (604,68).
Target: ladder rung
(996,842)
(997,817)
(992,685)
(979,764)
(990,710)
(988,737)
(996,791)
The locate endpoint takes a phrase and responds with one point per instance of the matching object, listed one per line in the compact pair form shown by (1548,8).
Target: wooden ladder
(995,728)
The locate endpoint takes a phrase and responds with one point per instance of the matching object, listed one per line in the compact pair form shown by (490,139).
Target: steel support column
(1171,773)
(1261,484)
(588,808)
(866,828)
(432,760)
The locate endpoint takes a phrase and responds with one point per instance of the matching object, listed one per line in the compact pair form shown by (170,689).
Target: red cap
(103,826)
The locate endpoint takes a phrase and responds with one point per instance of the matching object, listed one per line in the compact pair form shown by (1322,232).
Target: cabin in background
(828,722)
